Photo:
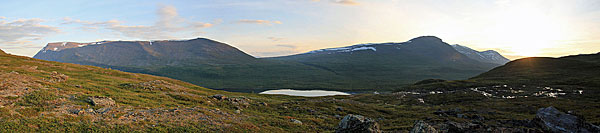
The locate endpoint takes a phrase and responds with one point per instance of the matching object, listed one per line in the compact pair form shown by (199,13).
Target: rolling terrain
(46,96)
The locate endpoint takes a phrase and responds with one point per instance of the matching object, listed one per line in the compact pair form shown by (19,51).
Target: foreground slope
(42,96)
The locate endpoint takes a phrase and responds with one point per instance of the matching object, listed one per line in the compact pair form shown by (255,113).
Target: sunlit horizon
(516,29)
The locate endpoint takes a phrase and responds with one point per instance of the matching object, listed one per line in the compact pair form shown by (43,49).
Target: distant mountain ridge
(217,65)
(489,56)
(143,53)
(582,70)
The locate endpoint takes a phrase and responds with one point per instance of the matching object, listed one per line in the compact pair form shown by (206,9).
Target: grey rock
(296,121)
(551,119)
(422,127)
(357,123)
(101,101)
(103,110)
(219,97)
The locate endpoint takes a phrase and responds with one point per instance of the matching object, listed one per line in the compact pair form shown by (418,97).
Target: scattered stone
(339,109)
(357,123)
(421,100)
(422,127)
(264,104)
(553,120)
(101,101)
(103,110)
(89,110)
(337,116)
(296,121)
(58,77)
(460,116)
(219,97)
(238,111)
(152,85)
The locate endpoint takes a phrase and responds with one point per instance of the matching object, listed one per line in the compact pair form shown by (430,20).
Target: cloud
(24,31)
(286,46)
(275,39)
(274,53)
(345,2)
(265,22)
(2,17)
(169,23)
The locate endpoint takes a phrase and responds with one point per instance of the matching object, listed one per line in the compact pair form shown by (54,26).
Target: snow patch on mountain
(364,48)
(357,47)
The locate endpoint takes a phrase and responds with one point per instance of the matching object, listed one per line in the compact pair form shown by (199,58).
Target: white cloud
(275,39)
(265,22)
(22,32)
(345,2)
(169,22)
(286,46)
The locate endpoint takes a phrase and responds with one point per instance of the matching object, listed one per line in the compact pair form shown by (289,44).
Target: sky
(266,28)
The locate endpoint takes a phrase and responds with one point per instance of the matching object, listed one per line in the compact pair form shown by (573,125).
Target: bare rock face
(551,119)
(101,101)
(357,124)
(422,127)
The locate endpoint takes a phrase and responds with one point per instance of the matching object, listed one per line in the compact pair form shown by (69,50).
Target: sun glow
(528,30)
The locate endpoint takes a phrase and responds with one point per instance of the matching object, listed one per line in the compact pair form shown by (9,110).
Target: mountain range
(377,66)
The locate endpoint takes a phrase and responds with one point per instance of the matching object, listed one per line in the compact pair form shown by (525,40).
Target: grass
(39,110)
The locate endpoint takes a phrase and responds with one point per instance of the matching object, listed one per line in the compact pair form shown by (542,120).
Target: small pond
(304,93)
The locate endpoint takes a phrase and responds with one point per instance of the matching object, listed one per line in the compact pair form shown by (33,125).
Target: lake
(304,93)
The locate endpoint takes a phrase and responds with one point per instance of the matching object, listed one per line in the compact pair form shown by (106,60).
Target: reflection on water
(304,93)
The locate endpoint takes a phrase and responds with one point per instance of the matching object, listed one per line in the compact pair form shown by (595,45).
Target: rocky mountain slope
(218,65)
(489,56)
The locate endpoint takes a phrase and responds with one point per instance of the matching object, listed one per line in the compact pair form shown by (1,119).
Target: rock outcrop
(357,124)
(551,119)
(422,127)
(58,77)
(101,101)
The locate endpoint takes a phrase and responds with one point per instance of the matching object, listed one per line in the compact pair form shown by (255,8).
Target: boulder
(422,127)
(296,121)
(553,120)
(357,124)
(101,101)
(219,97)
(58,77)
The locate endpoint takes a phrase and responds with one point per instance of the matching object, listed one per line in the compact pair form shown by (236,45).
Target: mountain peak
(426,39)
(489,56)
